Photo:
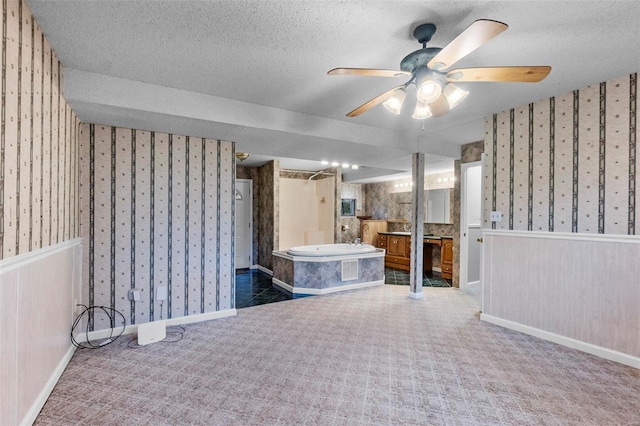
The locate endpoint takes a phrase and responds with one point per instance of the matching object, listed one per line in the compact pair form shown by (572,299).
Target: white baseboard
(605,353)
(320,291)
(39,402)
(263,269)
(282,284)
(132,329)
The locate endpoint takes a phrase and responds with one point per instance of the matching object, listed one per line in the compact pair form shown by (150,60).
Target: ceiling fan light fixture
(454,95)
(394,103)
(422,111)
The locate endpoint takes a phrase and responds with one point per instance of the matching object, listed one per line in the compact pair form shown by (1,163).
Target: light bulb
(354,166)
(324,162)
(345,165)
(429,91)
(335,164)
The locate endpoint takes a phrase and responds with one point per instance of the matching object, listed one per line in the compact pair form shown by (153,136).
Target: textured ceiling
(254,72)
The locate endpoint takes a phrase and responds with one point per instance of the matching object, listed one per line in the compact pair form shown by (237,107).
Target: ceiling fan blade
(474,36)
(373,102)
(440,106)
(369,72)
(510,74)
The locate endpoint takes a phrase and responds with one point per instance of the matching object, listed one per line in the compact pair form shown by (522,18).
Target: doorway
(244,223)
(471,227)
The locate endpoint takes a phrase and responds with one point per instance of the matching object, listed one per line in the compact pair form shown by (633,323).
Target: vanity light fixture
(336,164)
(242,156)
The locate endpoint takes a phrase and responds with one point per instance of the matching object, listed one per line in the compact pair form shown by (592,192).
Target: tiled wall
(566,164)
(157,210)
(38,141)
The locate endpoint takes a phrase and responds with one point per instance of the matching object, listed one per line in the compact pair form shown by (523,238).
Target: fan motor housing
(418,58)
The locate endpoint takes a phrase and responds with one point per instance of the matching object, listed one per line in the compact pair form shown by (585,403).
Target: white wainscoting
(37,293)
(579,290)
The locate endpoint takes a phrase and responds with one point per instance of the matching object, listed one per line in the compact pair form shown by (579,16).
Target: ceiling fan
(426,68)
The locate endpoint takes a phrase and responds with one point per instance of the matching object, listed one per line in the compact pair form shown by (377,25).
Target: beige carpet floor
(366,357)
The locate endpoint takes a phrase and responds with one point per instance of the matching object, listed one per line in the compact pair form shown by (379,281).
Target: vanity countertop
(432,237)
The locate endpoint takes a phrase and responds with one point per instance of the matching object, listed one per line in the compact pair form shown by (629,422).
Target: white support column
(417,226)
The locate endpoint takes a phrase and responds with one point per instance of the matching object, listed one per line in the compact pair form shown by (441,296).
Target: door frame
(250,182)
(464,238)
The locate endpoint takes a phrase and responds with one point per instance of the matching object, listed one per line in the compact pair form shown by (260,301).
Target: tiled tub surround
(321,275)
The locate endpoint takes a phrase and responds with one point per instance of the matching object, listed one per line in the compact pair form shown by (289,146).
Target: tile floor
(400,277)
(254,287)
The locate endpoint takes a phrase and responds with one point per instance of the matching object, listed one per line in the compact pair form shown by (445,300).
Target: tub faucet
(358,241)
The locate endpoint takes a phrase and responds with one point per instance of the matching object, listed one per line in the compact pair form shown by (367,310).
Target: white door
(471,227)
(244,237)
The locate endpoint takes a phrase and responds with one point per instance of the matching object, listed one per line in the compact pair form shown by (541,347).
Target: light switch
(496,216)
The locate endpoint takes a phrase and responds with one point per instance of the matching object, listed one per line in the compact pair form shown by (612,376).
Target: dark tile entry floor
(400,277)
(254,287)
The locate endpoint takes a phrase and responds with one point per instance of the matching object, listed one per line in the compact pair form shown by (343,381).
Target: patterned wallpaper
(566,164)
(157,210)
(351,191)
(38,141)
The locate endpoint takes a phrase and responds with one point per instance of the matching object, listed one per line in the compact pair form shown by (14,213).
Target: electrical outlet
(161,293)
(496,216)
(134,294)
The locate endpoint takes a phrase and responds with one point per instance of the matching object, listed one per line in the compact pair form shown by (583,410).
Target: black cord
(179,333)
(90,310)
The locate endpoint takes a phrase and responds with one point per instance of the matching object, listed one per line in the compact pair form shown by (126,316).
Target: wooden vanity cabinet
(397,252)
(397,245)
(382,242)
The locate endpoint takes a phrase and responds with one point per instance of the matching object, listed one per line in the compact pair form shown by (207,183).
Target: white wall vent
(349,270)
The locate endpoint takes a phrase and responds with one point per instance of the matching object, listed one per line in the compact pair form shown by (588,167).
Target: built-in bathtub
(328,268)
(331,249)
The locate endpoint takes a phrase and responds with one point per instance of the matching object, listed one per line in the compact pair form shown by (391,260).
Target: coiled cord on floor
(90,310)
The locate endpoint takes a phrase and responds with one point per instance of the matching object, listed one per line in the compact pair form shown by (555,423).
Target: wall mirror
(438,205)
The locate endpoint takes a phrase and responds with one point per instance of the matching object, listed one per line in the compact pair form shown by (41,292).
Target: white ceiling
(254,72)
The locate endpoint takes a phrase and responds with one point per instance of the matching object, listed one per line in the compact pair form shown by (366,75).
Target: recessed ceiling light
(335,164)
(354,167)
(324,162)
(345,165)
